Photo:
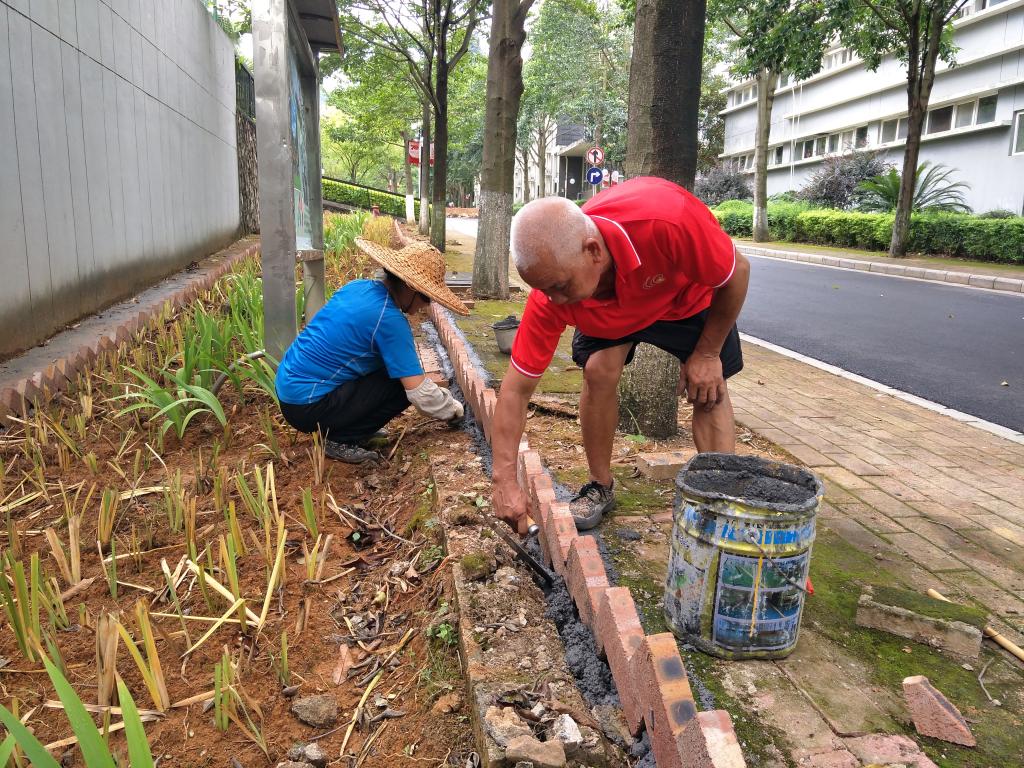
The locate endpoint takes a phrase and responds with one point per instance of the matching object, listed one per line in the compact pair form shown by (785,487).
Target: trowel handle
(531,526)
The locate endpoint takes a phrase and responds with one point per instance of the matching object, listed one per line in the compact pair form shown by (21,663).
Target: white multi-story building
(975,120)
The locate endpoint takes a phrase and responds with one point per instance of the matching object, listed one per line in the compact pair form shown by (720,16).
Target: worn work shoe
(348,453)
(591,504)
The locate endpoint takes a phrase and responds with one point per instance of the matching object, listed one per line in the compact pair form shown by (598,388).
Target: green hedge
(391,203)
(949,234)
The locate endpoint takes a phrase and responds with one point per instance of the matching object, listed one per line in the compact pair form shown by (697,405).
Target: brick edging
(42,385)
(992,282)
(648,670)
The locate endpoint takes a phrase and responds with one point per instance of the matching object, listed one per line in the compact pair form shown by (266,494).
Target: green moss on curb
(927,606)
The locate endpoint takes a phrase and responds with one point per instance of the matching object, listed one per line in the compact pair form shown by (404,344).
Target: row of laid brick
(647,669)
(18,397)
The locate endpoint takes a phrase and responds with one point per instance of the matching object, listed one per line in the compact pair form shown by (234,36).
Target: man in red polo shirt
(644,261)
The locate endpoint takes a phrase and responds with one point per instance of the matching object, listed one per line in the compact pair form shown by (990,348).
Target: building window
(833,143)
(778,156)
(892,130)
(1018,134)
(965,114)
(986,109)
(862,137)
(940,119)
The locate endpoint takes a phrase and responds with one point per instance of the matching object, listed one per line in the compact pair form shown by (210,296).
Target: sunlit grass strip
(152,672)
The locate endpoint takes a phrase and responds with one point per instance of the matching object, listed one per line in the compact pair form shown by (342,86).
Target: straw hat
(421,266)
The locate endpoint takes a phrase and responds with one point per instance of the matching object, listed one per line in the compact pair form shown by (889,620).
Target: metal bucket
(505,333)
(741,548)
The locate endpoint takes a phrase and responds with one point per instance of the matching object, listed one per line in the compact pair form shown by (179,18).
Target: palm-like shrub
(934,190)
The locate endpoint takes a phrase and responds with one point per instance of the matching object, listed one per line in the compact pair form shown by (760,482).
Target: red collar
(623,252)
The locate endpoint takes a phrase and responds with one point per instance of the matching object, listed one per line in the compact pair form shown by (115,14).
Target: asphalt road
(952,345)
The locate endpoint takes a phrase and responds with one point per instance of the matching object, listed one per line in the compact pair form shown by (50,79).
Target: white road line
(965,418)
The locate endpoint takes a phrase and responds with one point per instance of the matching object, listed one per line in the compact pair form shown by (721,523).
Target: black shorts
(679,337)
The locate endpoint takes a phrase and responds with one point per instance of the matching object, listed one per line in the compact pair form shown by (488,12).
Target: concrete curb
(991,282)
(40,386)
(648,670)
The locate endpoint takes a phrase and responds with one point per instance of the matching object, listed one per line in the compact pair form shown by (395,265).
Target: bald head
(558,249)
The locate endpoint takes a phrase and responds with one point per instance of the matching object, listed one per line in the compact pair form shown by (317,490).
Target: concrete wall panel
(26,136)
(15,284)
(121,168)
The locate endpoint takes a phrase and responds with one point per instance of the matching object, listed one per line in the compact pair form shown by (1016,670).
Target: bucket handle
(751,538)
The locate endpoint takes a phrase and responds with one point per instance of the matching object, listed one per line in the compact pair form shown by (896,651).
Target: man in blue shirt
(354,367)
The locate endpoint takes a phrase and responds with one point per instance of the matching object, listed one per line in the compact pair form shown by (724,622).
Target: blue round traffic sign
(594,175)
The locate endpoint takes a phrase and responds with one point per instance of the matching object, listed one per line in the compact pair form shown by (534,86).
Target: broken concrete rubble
(954,637)
(543,754)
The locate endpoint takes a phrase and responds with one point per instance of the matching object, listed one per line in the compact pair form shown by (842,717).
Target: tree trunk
(664,99)
(920,78)
(440,189)
(542,158)
(524,160)
(425,171)
(497,171)
(766,81)
(410,200)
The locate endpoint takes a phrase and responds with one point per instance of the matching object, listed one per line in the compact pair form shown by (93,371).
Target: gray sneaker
(590,505)
(348,453)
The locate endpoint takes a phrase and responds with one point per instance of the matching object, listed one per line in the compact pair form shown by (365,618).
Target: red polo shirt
(670,254)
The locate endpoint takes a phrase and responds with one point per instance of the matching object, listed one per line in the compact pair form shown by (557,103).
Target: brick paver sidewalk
(902,481)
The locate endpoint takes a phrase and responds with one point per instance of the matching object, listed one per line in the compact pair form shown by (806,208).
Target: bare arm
(703,379)
(510,503)
(411,382)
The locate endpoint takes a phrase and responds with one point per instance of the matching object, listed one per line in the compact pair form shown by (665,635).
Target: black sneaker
(349,453)
(591,504)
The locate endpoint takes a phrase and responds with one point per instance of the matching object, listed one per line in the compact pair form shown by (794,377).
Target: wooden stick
(1004,642)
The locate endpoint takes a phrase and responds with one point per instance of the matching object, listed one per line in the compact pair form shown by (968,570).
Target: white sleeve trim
(525,372)
(729,277)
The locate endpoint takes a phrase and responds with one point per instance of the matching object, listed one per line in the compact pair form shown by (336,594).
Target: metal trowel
(535,565)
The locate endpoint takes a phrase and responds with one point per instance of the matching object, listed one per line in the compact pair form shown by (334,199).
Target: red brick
(560,532)
(618,634)
(529,464)
(709,741)
(28,391)
(663,690)
(586,577)
(540,491)
(490,406)
(933,714)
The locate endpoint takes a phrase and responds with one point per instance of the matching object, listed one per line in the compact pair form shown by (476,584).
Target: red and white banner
(414,152)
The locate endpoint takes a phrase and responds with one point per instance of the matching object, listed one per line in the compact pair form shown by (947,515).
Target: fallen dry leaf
(344,664)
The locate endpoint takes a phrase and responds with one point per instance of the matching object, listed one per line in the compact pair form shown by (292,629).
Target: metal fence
(245,91)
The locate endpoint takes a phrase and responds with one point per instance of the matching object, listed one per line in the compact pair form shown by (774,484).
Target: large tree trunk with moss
(766,81)
(664,97)
(497,172)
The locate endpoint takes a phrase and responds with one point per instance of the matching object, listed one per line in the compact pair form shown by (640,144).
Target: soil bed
(371,607)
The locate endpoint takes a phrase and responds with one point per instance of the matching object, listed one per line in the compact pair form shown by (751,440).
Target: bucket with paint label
(741,548)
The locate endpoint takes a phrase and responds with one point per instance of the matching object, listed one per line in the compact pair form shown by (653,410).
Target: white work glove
(433,401)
